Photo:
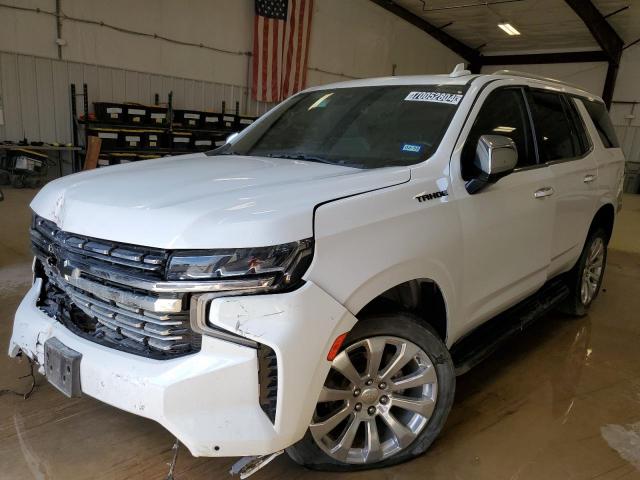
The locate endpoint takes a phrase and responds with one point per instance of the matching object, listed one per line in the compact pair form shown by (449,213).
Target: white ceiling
(545,25)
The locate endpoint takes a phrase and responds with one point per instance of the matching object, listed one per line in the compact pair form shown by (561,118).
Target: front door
(507,226)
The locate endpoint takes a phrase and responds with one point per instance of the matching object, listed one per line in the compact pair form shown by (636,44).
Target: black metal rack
(81,125)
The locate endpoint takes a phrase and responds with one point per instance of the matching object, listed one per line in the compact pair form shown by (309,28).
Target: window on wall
(504,112)
(558,138)
(602,122)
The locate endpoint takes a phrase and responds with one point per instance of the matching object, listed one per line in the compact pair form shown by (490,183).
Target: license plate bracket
(62,367)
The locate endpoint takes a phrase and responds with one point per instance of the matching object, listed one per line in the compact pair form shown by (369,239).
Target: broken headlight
(278,266)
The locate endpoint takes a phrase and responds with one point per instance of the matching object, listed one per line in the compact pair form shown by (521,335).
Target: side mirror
(232,136)
(496,156)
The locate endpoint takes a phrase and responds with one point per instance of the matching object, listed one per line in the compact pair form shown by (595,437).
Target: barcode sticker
(202,142)
(113,115)
(181,139)
(136,111)
(132,138)
(135,119)
(114,110)
(192,115)
(246,121)
(228,118)
(434,97)
(211,119)
(159,116)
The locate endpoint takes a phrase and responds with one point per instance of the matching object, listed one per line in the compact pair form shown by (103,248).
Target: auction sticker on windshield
(434,97)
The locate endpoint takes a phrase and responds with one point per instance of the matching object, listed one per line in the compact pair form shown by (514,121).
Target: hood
(200,201)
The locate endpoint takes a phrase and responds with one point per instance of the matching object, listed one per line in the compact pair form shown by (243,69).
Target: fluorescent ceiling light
(508,28)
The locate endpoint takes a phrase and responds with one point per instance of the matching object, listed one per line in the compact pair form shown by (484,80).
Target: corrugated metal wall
(34,94)
(626,119)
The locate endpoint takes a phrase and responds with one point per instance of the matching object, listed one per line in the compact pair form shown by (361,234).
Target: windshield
(363,127)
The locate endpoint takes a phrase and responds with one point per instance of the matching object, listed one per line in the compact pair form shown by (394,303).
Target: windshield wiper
(301,156)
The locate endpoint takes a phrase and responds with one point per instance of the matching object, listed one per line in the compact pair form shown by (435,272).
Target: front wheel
(385,399)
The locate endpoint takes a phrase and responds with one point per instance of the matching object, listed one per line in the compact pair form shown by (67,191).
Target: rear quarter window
(602,122)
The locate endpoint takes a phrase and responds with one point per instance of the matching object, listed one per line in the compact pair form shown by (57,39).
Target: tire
(577,303)
(397,335)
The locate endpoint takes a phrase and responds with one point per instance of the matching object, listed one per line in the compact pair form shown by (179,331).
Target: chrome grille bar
(116,287)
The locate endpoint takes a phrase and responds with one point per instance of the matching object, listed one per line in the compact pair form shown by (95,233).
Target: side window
(578,125)
(602,122)
(504,112)
(557,140)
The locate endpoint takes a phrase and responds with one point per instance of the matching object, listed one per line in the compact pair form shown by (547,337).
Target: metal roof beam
(469,54)
(537,58)
(607,38)
(603,33)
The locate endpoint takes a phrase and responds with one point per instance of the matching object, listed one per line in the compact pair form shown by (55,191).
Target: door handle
(589,178)
(543,192)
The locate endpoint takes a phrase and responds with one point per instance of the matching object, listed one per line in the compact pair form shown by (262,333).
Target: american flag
(280,48)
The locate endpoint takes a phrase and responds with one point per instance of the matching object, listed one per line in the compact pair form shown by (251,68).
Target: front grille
(93,287)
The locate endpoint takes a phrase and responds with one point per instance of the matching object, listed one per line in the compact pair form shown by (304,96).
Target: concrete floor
(560,401)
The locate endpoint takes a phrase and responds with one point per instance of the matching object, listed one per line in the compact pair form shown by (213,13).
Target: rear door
(567,151)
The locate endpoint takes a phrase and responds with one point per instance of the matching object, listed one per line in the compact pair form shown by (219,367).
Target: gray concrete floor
(560,401)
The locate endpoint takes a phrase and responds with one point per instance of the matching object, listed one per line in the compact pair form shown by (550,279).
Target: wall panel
(35,94)
(44,97)
(28,96)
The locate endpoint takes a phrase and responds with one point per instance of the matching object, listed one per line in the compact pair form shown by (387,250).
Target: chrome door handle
(543,192)
(589,178)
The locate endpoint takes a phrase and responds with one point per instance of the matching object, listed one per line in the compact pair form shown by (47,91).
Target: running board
(488,337)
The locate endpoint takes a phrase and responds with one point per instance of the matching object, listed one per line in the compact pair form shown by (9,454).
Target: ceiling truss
(606,37)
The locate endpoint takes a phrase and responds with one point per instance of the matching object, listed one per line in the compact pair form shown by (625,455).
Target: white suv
(317,283)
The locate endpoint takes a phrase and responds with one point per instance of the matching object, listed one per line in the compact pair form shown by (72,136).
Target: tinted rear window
(557,137)
(601,120)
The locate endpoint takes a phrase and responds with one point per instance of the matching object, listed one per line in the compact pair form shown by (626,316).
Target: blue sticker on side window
(411,148)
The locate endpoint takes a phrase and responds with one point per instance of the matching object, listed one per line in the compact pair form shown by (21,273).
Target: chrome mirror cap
(231,137)
(496,154)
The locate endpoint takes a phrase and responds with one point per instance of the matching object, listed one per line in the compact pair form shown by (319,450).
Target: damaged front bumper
(210,400)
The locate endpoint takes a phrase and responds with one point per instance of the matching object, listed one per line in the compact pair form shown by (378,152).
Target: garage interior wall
(351,39)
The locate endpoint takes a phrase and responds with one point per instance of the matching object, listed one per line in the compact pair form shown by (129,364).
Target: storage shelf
(148,152)
(175,128)
(39,147)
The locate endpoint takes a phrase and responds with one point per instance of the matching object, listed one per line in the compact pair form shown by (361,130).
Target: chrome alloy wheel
(378,397)
(592,271)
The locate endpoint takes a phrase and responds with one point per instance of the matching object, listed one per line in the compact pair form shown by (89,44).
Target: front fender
(369,243)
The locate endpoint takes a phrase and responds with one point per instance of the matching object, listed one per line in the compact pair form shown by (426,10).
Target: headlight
(279,266)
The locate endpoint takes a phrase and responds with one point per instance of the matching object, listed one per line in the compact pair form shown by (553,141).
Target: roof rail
(532,76)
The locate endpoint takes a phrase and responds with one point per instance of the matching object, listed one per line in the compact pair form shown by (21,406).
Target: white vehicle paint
(373,229)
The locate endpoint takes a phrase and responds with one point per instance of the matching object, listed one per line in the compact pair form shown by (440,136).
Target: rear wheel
(585,278)
(385,398)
